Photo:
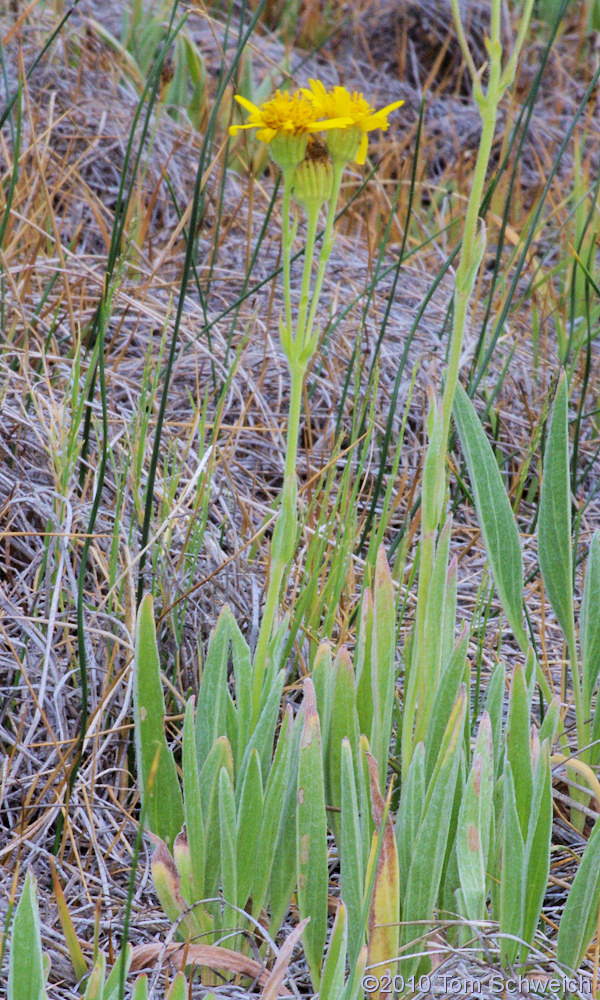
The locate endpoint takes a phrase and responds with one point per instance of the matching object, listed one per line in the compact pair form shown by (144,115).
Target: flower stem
(311,233)
(287,240)
(327,245)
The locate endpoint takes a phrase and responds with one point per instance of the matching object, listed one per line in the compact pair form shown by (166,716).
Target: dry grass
(222,450)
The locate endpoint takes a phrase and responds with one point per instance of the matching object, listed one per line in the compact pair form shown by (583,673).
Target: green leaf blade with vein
(26,967)
(554,533)
(311,837)
(590,622)
(494,512)
(163,799)
(580,915)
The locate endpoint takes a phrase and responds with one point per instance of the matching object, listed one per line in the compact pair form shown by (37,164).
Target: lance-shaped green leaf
(183,863)
(554,531)
(140,990)
(192,804)
(434,470)
(518,747)
(311,837)
(273,813)
(220,756)
(431,842)
(283,866)
(112,988)
(473,830)
(511,871)
(445,701)
(264,734)
(163,802)
(322,678)
(449,629)
(435,610)
(95,984)
(352,876)
(228,841)
(214,692)
(179,989)
(494,706)
(80,967)
(589,625)
(549,726)
(536,859)
(384,914)
(242,671)
(383,663)
(250,816)
(494,513)
(354,990)
(334,967)
(364,665)
(410,812)
(167,882)
(344,724)
(26,964)
(580,915)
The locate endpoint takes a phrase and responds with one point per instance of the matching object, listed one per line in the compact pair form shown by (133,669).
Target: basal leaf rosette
(285,123)
(349,141)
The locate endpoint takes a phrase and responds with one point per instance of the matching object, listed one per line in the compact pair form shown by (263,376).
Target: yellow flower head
(288,120)
(360,116)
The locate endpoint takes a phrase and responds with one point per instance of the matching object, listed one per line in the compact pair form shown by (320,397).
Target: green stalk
(284,540)
(284,536)
(421,686)
(300,339)
(327,245)
(287,240)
